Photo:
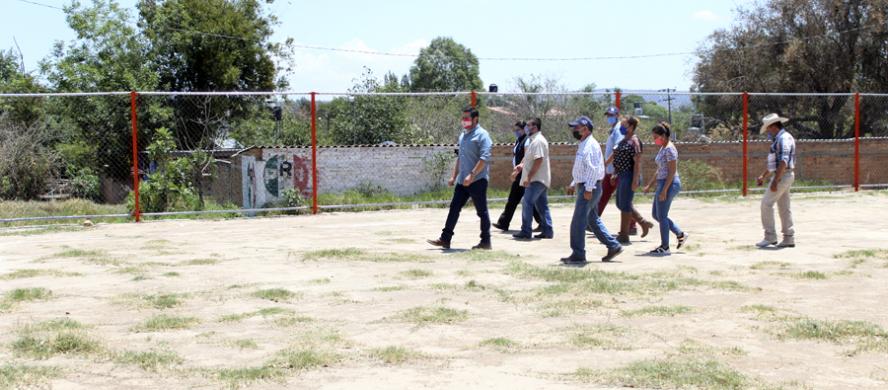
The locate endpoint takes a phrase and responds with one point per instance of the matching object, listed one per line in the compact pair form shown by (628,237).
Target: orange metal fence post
(745,143)
(474,98)
(314,154)
(617,98)
(857,142)
(137,211)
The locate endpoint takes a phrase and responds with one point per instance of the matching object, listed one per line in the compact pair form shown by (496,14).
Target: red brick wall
(828,161)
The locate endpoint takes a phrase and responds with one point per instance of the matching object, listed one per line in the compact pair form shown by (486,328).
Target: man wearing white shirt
(588,172)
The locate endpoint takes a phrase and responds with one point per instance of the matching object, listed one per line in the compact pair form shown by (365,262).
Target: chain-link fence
(71,155)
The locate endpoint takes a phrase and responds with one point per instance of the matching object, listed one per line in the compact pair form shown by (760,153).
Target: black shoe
(572,260)
(611,253)
(681,240)
(501,226)
(483,246)
(543,236)
(538,229)
(519,236)
(440,242)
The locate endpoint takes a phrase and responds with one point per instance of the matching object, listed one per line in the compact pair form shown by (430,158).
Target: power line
(41,4)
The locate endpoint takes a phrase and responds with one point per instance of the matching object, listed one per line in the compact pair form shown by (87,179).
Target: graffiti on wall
(265,181)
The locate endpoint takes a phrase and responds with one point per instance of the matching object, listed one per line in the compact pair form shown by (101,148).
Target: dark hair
(473,112)
(662,129)
(520,124)
(632,121)
(537,122)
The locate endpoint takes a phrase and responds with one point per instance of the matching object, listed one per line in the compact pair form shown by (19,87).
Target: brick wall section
(405,170)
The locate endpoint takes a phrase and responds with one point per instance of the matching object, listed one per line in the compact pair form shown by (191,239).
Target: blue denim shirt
(474,145)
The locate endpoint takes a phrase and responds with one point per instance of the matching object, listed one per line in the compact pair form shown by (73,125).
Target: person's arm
(781,167)
(671,166)
(636,171)
(764,176)
(534,168)
(485,145)
(595,163)
(455,173)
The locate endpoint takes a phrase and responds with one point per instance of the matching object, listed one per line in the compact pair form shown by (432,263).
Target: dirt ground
(358,300)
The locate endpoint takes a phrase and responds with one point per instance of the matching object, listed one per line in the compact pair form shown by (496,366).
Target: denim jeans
(516,196)
(581,218)
(661,211)
(477,191)
(535,198)
(624,191)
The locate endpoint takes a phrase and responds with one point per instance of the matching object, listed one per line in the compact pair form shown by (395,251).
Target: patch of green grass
(562,307)
(291,321)
(599,337)
(861,256)
(594,281)
(416,273)
(171,274)
(105,261)
(813,275)
(673,373)
(487,255)
(20,295)
(245,344)
(265,312)
(166,322)
(236,377)
(276,294)
(163,301)
(80,253)
(35,231)
(58,324)
(433,315)
(500,343)
(770,265)
(149,360)
(304,359)
(200,262)
(393,355)
(320,281)
(832,331)
(390,288)
(759,309)
(663,311)
(43,346)
(355,254)
(33,273)
(17,376)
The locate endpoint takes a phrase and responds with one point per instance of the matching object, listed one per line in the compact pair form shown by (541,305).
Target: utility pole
(669,99)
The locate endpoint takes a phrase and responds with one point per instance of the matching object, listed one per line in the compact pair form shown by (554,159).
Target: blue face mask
(518,133)
(526,130)
(611,120)
(623,130)
(770,136)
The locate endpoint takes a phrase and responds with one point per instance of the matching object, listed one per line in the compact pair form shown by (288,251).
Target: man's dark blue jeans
(477,191)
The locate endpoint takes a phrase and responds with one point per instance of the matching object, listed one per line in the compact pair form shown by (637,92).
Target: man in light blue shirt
(617,131)
(469,178)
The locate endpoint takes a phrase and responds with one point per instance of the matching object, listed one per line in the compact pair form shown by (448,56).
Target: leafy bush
(85,184)
(27,166)
(698,175)
(170,187)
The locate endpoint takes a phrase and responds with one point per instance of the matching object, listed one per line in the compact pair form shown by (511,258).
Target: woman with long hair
(668,185)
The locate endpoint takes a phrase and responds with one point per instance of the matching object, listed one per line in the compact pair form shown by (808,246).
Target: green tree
(445,66)
(108,54)
(365,119)
(13,79)
(213,45)
(798,46)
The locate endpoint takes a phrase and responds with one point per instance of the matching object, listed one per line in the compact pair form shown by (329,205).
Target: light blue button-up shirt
(613,140)
(474,145)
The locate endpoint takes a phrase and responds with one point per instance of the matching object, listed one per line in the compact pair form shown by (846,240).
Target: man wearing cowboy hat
(781,162)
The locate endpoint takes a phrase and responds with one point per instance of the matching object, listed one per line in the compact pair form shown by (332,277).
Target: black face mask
(576,134)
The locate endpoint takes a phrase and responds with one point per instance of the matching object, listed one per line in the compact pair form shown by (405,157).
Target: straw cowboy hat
(771,119)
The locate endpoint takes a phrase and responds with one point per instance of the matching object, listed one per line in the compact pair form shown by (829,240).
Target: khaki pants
(781,197)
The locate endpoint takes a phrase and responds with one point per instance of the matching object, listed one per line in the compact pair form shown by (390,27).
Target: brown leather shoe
(483,245)
(439,242)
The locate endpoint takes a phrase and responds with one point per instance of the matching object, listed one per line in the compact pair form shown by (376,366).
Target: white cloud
(706,16)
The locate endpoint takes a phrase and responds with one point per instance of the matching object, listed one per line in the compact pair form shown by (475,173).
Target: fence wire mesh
(71,155)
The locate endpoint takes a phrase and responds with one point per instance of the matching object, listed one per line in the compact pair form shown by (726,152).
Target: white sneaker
(765,243)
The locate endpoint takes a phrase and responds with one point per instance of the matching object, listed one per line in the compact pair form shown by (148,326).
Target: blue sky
(490,28)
